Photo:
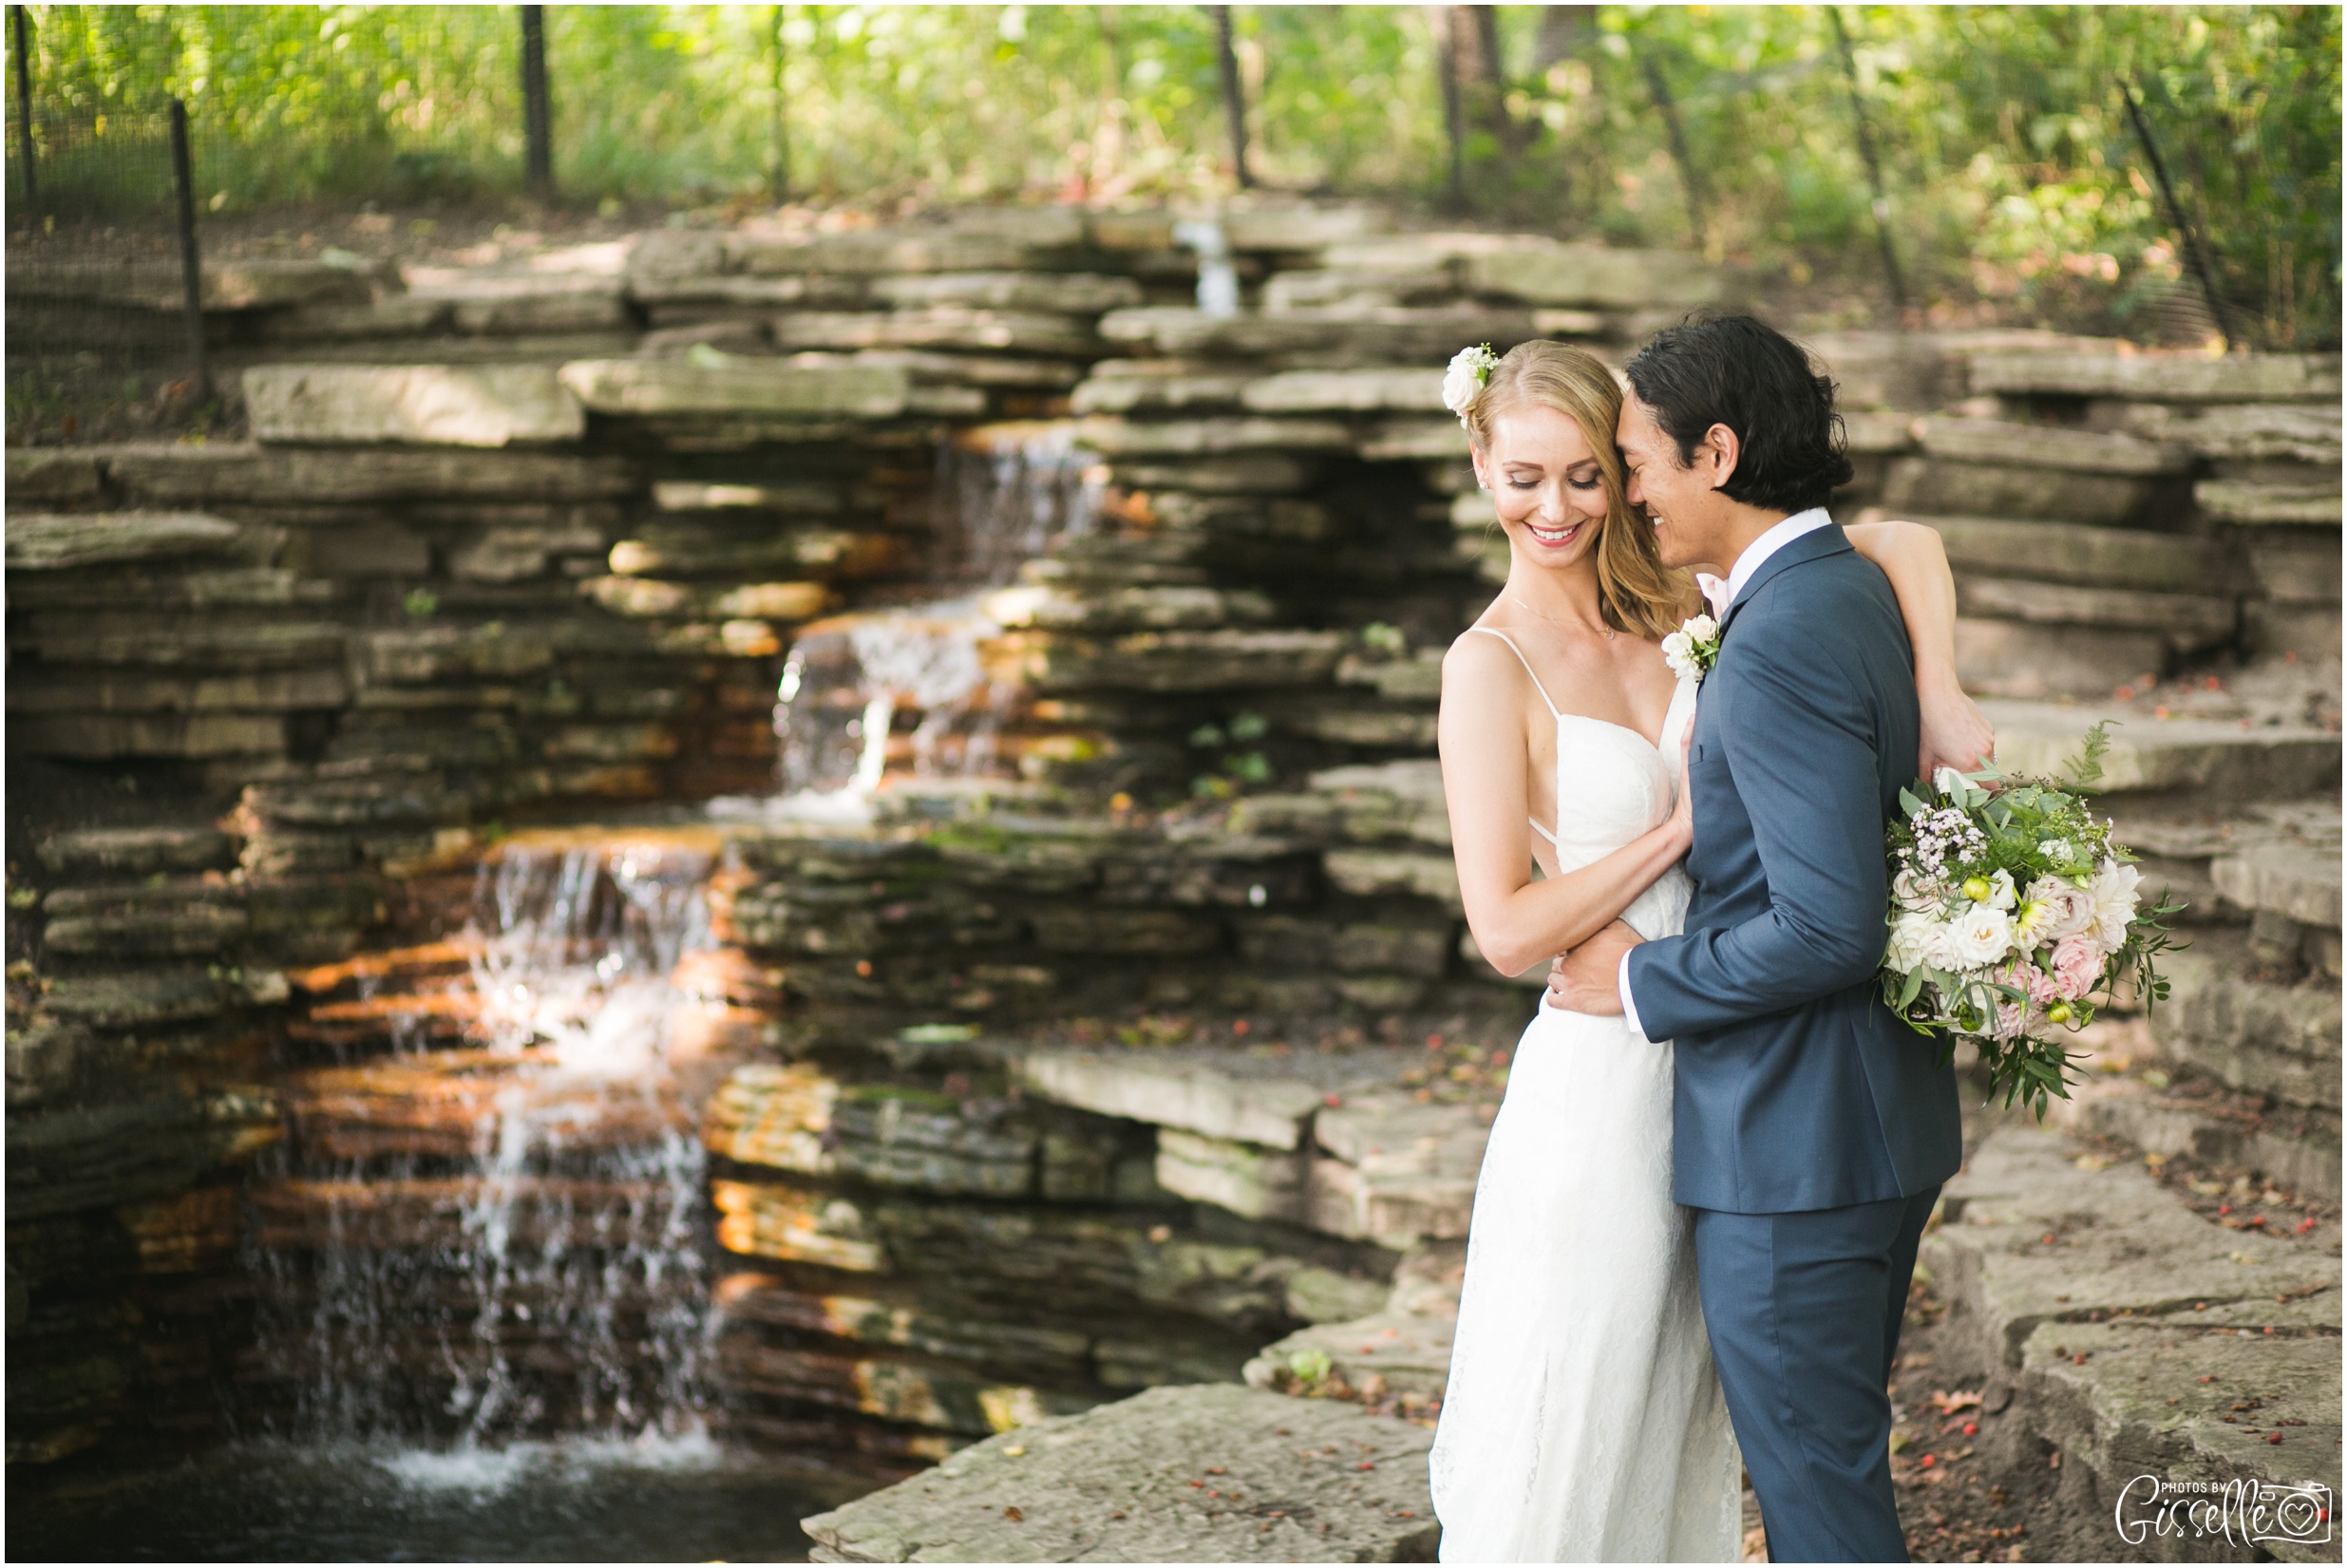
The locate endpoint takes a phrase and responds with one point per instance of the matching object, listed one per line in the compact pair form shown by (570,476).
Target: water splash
(853,682)
(514,1249)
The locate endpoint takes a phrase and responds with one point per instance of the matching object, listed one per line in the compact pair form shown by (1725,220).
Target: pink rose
(2078,965)
(2023,975)
(2012,1020)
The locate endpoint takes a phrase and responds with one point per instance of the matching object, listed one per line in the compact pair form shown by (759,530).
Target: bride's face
(1546,484)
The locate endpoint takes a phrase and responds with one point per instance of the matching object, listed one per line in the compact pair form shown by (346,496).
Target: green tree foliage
(2009,168)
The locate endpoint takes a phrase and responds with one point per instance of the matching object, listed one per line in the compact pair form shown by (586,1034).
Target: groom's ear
(1717,454)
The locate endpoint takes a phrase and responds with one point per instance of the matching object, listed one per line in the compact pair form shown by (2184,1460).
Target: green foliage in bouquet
(2014,916)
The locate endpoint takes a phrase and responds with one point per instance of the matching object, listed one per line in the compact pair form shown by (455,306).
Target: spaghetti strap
(1527,667)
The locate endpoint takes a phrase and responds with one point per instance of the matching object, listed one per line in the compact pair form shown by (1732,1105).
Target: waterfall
(852,682)
(498,1239)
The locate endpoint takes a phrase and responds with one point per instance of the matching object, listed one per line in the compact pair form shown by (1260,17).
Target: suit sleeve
(1803,763)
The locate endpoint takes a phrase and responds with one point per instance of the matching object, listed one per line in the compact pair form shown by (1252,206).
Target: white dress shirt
(1721,595)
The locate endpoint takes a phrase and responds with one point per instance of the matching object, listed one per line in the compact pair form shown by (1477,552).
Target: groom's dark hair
(1736,371)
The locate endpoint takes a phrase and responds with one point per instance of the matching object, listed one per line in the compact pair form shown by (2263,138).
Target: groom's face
(1682,500)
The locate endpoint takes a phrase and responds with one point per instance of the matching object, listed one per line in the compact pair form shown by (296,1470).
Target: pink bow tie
(1714,592)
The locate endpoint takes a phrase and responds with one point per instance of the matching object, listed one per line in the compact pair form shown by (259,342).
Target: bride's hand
(1682,820)
(1954,732)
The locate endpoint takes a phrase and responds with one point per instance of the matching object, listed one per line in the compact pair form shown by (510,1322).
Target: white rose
(1912,940)
(2064,908)
(2114,897)
(1950,783)
(1979,936)
(1679,652)
(2001,893)
(1702,628)
(1462,382)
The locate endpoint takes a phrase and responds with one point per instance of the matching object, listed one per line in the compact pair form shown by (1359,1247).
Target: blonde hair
(1636,592)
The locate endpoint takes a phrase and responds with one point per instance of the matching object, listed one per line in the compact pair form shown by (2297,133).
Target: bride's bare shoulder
(1482,676)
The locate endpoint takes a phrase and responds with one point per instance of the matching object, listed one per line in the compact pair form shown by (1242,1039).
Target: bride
(1583,1420)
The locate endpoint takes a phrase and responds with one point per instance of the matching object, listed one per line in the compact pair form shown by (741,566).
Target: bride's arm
(1517,922)
(1954,732)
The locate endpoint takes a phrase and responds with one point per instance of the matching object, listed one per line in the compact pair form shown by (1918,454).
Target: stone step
(1403,390)
(2275,1040)
(2294,881)
(941,326)
(2132,1332)
(1164,661)
(1057,293)
(2070,553)
(1946,486)
(63,542)
(2300,432)
(1402,1356)
(2159,378)
(2186,622)
(431,405)
(2290,1147)
(2225,762)
(257,285)
(162,475)
(848,389)
(1378,335)
(1997,444)
(2250,502)
(1268,1100)
(110,852)
(1208,1473)
(2016,660)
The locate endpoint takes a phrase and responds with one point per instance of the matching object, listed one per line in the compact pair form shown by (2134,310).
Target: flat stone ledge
(640,387)
(1203,1473)
(2246,761)
(2120,1244)
(1266,1101)
(2047,446)
(60,542)
(2243,500)
(435,405)
(2160,378)
(2301,884)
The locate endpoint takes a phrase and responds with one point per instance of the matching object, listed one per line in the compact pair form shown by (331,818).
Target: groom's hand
(1588,979)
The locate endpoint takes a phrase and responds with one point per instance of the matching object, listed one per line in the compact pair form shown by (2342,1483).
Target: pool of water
(687,1500)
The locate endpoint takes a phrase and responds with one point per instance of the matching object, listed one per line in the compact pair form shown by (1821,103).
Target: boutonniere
(1693,648)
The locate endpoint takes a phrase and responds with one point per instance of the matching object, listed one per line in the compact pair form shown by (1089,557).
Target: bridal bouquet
(2011,913)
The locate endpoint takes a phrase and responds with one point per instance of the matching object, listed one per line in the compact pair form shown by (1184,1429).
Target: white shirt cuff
(1629,1004)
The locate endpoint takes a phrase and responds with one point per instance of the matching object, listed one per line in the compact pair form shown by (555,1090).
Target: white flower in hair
(1463,383)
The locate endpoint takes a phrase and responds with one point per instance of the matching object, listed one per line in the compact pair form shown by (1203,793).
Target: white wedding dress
(1583,1420)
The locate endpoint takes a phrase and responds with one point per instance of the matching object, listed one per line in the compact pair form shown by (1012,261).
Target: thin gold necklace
(1536,614)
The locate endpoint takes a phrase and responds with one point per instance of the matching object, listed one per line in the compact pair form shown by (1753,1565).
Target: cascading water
(852,682)
(500,1240)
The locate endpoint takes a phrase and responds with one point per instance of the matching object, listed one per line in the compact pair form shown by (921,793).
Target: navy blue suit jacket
(1794,1087)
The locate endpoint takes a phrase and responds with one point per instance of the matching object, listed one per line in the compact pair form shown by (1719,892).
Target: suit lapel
(1813,545)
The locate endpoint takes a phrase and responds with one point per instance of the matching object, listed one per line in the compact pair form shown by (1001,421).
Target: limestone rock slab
(1217,1095)
(2047,446)
(2247,501)
(1166,661)
(1063,293)
(42,541)
(2237,760)
(433,405)
(2187,621)
(1946,486)
(1118,438)
(644,387)
(289,476)
(934,327)
(2119,1240)
(1205,1473)
(2159,378)
(2292,881)
(1410,390)
(2061,552)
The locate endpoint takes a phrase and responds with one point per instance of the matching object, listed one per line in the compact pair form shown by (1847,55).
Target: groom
(1811,1128)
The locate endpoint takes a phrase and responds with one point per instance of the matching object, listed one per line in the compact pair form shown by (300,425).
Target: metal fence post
(24,108)
(191,269)
(1234,95)
(2194,254)
(536,119)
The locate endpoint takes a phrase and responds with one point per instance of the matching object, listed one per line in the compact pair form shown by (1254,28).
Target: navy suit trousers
(1804,1309)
